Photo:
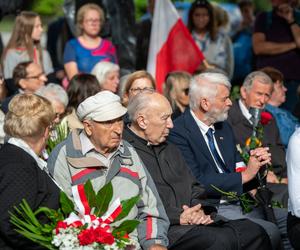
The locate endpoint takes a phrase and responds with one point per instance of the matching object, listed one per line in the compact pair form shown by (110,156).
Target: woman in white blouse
(293,163)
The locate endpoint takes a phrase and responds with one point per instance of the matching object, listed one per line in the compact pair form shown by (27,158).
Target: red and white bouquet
(83,226)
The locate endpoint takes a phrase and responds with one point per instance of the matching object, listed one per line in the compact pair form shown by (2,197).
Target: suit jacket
(22,178)
(175,184)
(242,130)
(188,137)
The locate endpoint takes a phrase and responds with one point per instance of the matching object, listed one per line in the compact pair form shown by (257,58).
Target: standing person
(215,45)
(99,154)
(84,52)
(276,43)
(23,173)
(25,45)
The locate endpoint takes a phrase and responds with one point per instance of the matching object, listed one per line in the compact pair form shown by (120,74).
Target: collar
(87,145)
(244,110)
(202,126)
(23,145)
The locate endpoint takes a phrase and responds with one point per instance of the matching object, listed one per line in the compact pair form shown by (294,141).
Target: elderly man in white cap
(99,154)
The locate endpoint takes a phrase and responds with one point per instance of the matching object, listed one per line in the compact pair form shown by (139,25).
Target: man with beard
(207,143)
(193,220)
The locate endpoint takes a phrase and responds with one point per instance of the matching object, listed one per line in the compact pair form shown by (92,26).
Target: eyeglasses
(186,91)
(92,21)
(142,90)
(36,77)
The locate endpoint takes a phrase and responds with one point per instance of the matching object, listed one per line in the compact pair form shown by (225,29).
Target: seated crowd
(182,152)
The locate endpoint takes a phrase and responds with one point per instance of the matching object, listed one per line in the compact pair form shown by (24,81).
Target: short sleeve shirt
(87,58)
(276,29)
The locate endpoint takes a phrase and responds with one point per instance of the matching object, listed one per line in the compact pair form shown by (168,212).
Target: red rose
(86,237)
(265,118)
(104,237)
(60,224)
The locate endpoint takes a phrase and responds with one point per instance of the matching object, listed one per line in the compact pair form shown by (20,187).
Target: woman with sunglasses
(176,89)
(215,44)
(84,52)
(24,45)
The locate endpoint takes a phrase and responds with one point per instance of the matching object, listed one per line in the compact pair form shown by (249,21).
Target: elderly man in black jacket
(194,223)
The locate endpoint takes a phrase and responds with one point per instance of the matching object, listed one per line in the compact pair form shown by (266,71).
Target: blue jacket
(188,137)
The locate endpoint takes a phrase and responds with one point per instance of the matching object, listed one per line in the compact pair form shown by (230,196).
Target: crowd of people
(179,151)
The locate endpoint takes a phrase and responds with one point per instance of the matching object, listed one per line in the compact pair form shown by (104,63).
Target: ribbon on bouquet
(84,212)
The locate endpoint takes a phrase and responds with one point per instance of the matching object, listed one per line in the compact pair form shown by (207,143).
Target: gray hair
(256,75)
(201,87)
(101,69)
(137,104)
(54,91)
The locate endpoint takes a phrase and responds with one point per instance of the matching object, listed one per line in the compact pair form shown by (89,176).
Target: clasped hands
(258,158)
(194,216)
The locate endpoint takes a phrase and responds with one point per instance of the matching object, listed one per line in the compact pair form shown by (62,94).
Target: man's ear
(204,104)
(23,83)
(243,93)
(142,122)
(87,127)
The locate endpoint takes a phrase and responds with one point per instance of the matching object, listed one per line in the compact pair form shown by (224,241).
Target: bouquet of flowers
(57,135)
(85,225)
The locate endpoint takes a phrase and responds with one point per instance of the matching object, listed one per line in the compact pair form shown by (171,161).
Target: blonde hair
(173,81)
(28,116)
(130,80)
(83,10)
(21,36)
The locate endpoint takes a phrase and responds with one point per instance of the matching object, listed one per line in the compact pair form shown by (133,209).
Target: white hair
(137,104)
(101,69)
(54,91)
(256,75)
(202,87)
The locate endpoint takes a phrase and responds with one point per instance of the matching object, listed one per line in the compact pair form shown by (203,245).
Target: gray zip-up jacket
(68,166)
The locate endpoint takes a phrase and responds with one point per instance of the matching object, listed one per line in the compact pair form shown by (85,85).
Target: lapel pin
(221,137)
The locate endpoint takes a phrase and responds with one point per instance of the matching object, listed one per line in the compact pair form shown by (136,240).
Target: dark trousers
(293,228)
(231,235)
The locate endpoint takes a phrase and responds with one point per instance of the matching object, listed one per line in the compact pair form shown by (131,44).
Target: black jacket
(175,185)
(21,177)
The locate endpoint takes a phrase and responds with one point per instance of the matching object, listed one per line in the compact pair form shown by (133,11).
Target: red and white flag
(171,44)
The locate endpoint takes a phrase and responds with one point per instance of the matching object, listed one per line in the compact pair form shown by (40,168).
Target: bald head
(150,116)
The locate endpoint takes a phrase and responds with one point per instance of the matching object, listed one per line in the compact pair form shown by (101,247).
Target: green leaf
(67,205)
(127,205)
(103,199)
(126,226)
(90,194)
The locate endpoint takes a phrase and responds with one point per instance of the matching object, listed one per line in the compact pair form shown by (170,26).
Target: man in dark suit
(183,198)
(208,146)
(256,92)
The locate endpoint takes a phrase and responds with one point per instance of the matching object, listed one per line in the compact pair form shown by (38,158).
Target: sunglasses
(186,91)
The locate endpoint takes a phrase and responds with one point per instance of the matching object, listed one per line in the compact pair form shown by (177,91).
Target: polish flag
(171,44)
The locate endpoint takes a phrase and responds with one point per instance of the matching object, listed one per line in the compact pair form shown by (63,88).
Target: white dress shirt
(203,129)
(293,168)
(245,111)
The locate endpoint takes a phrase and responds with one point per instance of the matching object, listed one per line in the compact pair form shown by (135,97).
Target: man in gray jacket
(99,154)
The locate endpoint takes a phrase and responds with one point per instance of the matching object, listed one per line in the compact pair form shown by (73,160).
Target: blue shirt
(286,122)
(87,58)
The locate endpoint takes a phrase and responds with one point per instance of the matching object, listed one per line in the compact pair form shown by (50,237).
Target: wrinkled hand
(157,247)
(286,11)
(258,158)
(194,216)
(272,178)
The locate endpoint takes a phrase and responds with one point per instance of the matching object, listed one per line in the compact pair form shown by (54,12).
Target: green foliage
(59,133)
(103,199)
(127,205)
(67,205)
(48,7)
